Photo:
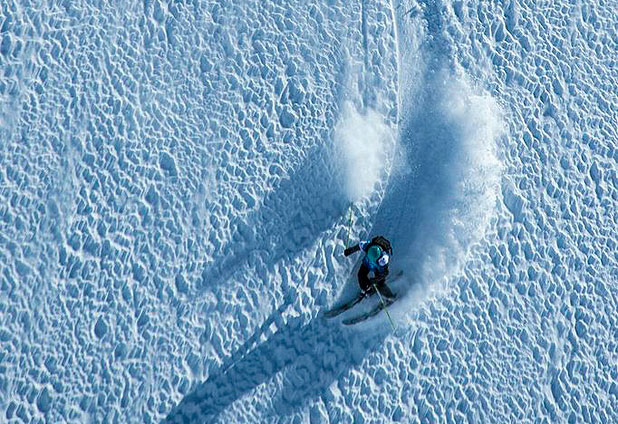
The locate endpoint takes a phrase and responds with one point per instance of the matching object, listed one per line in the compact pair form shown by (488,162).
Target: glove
(351,250)
(367,291)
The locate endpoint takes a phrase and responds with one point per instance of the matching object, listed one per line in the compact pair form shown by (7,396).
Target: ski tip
(329,314)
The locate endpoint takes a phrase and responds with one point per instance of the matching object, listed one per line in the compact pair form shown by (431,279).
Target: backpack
(383,243)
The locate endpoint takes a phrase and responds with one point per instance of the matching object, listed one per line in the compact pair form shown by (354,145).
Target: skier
(374,268)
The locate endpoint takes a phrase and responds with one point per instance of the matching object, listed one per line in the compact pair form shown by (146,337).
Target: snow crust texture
(178,181)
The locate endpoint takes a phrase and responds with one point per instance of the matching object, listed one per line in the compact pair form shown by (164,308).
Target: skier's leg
(385,291)
(380,283)
(363,279)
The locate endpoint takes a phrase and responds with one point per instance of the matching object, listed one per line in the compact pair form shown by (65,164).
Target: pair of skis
(350,304)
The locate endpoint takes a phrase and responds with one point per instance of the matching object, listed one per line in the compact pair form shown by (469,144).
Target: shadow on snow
(303,205)
(310,357)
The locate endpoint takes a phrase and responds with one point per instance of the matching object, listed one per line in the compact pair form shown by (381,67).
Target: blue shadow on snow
(311,356)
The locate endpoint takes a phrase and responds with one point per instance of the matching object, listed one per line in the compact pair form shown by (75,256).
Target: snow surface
(178,181)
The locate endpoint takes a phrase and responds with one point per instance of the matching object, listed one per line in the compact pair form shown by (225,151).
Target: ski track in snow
(175,198)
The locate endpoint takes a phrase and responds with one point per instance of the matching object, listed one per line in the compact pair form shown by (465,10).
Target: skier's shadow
(303,204)
(310,356)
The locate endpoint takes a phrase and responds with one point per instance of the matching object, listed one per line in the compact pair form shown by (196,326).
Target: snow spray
(362,142)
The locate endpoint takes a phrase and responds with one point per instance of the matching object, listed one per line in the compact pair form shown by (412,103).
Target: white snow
(178,181)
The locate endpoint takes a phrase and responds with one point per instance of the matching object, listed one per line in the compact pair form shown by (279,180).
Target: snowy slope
(177,184)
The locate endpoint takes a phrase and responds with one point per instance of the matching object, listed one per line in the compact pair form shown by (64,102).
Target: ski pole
(349,227)
(384,306)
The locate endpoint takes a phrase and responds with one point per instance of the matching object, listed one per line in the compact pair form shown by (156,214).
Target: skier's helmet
(374,253)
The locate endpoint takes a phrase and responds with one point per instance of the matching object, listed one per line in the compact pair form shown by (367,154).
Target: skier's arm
(353,249)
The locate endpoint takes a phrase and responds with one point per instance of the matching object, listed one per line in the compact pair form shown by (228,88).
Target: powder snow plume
(443,189)
(469,179)
(460,195)
(362,141)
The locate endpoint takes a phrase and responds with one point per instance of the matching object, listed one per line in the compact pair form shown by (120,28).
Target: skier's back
(374,268)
